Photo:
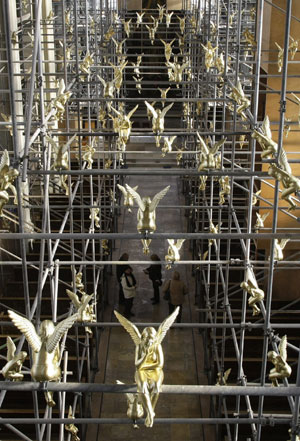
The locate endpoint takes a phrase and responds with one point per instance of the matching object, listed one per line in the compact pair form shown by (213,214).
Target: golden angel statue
(168,48)
(173,251)
(249,38)
(109,34)
(126,25)
(128,198)
(168,16)
(45,346)
(119,46)
(222,378)
(209,156)
(290,183)
(181,43)
(214,229)
(78,281)
(260,219)
(161,12)
(135,409)
(12,369)
(8,175)
(102,116)
(125,124)
(179,156)
(8,120)
(146,214)
(138,83)
(256,294)
(86,63)
(298,102)
(293,47)
(279,246)
(151,30)
(155,23)
(238,95)
(139,19)
(71,428)
(94,215)
(255,197)
(118,74)
(202,185)
(225,189)
(167,147)
(84,310)
(158,117)
(280,57)
(58,104)
(149,361)
(163,93)
(281,368)
(181,23)
(60,153)
(108,87)
(264,136)
(210,53)
(193,23)
(220,63)
(88,153)
(177,71)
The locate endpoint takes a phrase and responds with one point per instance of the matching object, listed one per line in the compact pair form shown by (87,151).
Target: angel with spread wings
(260,219)
(85,314)
(86,63)
(149,361)
(256,294)
(146,214)
(7,176)
(209,157)
(119,46)
(222,378)
(139,19)
(279,246)
(168,48)
(238,95)
(12,369)
(225,188)
(173,251)
(60,153)
(176,71)
(128,198)
(281,369)
(161,12)
(181,23)
(108,88)
(167,147)
(124,124)
(210,53)
(158,117)
(58,104)
(126,25)
(290,183)
(45,347)
(168,16)
(264,136)
(151,30)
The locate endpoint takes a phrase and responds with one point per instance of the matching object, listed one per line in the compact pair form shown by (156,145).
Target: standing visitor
(177,290)
(154,273)
(119,272)
(128,282)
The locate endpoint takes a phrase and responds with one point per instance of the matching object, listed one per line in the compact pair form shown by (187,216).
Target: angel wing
(59,331)
(226,374)
(116,111)
(250,278)
(279,47)
(179,244)
(217,145)
(296,98)
(123,190)
(4,160)
(171,242)
(27,328)
(135,196)
(203,145)
(166,325)
(132,111)
(130,328)
(11,349)
(165,44)
(265,127)
(239,88)
(283,243)
(264,217)
(102,80)
(172,41)
(172,139)
(283,348)
(157,198)
(165,110)
(70,413)
(283,161)
(74,298)
(152,110)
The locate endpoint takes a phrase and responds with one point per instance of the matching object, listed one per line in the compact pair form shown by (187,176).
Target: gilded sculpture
(8,175)
(155,23)
(168,16)
(181,23)
(139,19)
(210,53)
(158,117)
(135,408)
(225,188)
(45,347)
(260,219)
(223,377)
(280,57)
(57,105)
(124,125)
(161,12)
(118,74)
(251,287)
(126,25)
(279,246)
(214,229)
(290,183)
(168,48)
(293,47)
(238,95)
(94,216)
(167,147)
(12,369)
(173,251)
(128,198)
(152,31)
(177,70)
(119,46)
(209,156)
(254,197)
(264,136)
(85,311)
(71,428)
(163,93)
(86,63)
(281,368)
(149,361)
(138,83)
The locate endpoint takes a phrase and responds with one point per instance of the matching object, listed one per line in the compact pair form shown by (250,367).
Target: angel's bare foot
(149,419)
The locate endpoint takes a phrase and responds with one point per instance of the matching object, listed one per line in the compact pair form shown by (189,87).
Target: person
(119,272)
(154,273)
(128,282)
(177,291)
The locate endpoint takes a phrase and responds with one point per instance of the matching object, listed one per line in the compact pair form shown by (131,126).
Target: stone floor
(182,347)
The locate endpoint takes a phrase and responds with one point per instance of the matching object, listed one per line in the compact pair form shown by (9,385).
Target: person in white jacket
(128,282)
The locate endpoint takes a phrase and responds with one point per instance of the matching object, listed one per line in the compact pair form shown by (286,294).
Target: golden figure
(155,23)
(287,127)
(69,50)
(94,215)
(105,247)
(7,118)
(89,151)
(231,18)
(8,175)
(68,22)
(280,56)
(293,47)
(149,361)
(135,407)
(168,48)
(60,153)
(199,108)
(128,198)
(249,38)
(224,182)
(125,125)
(158,117)
(209,156)
(173,252)
(222,378)
(220,63)
(290,183)
(163,93)
(253,13)
(298,102)
(238,95)
(281,368)
(87,62)
(64,183)
(116,18)
(254,197)
(279,247)
(179,156)
(108,87)
(58,104)
(256,294)
(202,185)
(85,311)
(161,12)
(297,437)
(242,141)
(214,229)
(107,164)
(119,46)
(118,74)
(157,141)
(12,369)
(136,65)
(139,19)
(167,148)
(177,71)
(112,196)
(260,219)
(151,31)
(45,346)
(264,137)
(186,109)
(181,23)
(168,18)
(138,83)
(126,25)
(209,55)
(146,214)
(193,22)
(78,281)
(71,428)
(181,42)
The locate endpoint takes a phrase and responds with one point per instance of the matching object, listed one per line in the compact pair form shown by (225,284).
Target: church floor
(182,347)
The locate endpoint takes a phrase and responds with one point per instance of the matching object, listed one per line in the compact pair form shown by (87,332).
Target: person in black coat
(154,273)
(119,272)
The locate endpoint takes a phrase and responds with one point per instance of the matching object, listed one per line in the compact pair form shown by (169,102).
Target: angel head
(46,329)
(148,336)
